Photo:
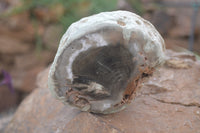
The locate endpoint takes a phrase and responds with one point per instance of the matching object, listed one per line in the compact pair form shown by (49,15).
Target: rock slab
(169,101)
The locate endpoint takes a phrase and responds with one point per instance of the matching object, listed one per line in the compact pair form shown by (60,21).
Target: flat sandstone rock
(169,101)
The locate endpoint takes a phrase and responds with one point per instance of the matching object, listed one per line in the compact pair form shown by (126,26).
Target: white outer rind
(96,22)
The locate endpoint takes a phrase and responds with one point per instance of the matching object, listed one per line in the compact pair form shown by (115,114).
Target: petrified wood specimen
(102,58)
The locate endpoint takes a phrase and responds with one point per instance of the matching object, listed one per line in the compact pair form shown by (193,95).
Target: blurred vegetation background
(64,13)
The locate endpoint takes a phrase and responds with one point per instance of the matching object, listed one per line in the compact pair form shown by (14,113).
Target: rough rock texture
(5,118)
(168,102)
(7,98)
